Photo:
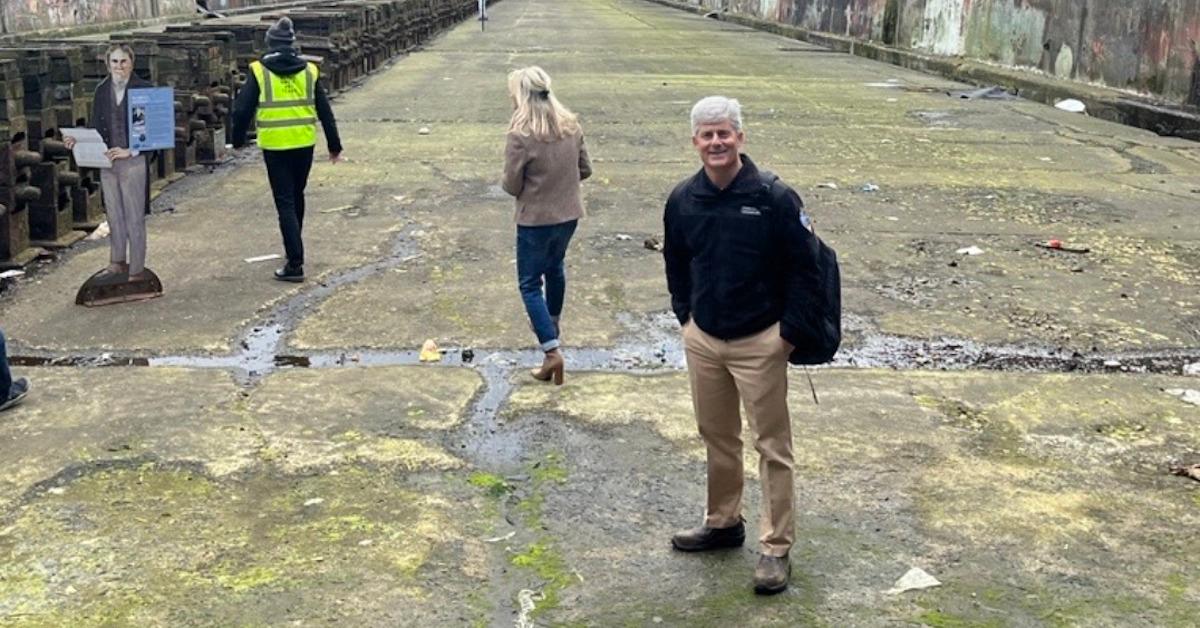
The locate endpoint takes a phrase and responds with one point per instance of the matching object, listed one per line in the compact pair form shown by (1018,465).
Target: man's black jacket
(739,259)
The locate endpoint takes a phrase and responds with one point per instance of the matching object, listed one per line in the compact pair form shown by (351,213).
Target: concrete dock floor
(246,452)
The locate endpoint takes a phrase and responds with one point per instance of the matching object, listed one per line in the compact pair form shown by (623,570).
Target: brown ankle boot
(552,368)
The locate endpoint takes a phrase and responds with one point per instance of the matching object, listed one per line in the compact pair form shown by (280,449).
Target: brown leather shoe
(772,574)
(704,538)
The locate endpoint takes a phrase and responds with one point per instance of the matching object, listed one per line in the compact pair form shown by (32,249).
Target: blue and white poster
(152,118)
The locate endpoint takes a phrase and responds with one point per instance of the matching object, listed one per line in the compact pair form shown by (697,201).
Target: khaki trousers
(753,368)
(124,189)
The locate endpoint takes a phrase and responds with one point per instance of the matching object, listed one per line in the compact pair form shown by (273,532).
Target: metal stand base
(105,288)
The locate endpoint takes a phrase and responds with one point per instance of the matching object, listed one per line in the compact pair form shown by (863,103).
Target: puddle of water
(75,360)
(489,442)
(258,353)
(657,348)
(256,358)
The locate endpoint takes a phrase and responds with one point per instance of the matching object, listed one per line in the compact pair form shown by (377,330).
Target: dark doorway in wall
(891,20)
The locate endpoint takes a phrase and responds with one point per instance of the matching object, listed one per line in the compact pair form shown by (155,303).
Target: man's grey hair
(716,109)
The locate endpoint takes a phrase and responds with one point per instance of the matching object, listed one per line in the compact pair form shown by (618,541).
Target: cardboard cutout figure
(126,190)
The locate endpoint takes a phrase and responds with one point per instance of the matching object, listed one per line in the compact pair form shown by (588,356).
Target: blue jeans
(5,375)
(540,253)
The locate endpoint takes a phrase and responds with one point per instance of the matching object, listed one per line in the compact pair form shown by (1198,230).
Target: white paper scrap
(916,578)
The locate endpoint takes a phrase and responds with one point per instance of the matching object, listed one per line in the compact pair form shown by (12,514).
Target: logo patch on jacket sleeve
(751,211)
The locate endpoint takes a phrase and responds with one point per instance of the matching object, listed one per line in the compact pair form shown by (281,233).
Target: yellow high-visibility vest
(287,108)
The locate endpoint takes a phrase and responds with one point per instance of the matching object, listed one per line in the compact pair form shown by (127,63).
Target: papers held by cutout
(89,148)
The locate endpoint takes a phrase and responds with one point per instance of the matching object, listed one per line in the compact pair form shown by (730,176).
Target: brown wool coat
(545,176)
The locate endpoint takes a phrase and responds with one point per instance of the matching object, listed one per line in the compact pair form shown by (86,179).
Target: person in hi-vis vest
(285,98)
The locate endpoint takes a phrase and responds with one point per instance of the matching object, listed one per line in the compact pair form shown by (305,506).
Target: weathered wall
(1150,46)
(24,16)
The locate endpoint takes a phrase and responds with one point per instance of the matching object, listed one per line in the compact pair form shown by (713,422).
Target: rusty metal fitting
(54,148)
(26,158)
(27,193)
(69,178)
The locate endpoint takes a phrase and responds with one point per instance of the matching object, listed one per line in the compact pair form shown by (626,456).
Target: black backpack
(821,327)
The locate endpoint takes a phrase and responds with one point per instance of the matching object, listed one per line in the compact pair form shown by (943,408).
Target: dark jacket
(104,107)
(284,62)
(739,259)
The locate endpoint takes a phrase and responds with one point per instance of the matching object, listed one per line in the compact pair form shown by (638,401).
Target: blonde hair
(536,111)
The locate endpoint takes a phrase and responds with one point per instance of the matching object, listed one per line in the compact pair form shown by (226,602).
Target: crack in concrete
(262,343)
(76,471)
(261,356)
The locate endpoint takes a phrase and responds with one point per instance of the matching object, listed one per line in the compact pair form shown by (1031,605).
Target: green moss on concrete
(251,578)
(1176,587)
(958,413)
(544,474)
(548,565)
(941,619)
(549,470)
(661,401)
(491,483)
(131,546)
(541,558)
(729,600)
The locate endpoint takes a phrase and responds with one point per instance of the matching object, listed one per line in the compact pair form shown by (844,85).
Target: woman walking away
(544,161)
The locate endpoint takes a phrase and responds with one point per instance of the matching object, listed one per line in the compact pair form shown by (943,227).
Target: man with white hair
(740,264)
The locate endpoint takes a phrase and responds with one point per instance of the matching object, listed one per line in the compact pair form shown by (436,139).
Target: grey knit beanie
(281,34)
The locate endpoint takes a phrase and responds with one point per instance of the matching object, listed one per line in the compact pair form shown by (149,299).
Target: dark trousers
(5,375)
(540,254)
(287,171)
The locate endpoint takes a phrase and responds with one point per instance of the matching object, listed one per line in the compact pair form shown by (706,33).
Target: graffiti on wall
(1149,46)
(36,15)
(941,27)
(1006,32)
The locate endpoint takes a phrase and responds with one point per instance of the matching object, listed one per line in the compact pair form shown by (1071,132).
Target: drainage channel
(488,441)
(260,345)
(261,352)
(900,353)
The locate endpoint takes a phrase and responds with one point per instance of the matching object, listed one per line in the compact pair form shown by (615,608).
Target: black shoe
(705,538)
(20,388)
(290,273)
(772,574)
